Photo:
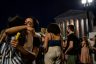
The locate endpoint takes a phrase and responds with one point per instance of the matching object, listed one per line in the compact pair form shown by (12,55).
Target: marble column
(63,29)
(82,26)
(77,27)
(72,21)
(66,25)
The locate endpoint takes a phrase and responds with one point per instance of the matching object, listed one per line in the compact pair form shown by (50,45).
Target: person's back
(54,40)
(54,49)
(52,45)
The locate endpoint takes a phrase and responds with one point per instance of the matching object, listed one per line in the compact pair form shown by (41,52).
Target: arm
(15,29)
(25,53)
(2,35)
(10,31)
(36,43)
(62,48)
(70,46)
(22,50)
(45,45)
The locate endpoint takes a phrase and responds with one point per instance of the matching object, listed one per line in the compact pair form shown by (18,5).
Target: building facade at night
(78,18)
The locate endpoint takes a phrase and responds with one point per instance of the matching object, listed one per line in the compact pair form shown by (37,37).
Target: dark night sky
(43,10)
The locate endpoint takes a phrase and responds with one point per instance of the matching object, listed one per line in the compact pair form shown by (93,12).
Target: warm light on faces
(29,22)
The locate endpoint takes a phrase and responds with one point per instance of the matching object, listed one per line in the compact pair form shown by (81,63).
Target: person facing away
(53,45)
(72,45)
(28,43)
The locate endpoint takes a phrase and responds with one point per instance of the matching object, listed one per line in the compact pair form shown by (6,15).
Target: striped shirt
(9,54)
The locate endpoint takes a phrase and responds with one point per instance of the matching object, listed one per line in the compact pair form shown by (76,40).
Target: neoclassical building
(79,19)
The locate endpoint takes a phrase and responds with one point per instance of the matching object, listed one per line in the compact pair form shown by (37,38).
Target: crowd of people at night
(24,44)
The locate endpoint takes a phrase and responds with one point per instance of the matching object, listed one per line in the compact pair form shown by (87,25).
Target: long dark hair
(22,38)
(35,23)
(53,28)
(85,39)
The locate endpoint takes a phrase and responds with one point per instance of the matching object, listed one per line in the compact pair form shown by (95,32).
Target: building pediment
(74,14)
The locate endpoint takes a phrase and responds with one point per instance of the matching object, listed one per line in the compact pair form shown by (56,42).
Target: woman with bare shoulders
(53,45)
(26,44)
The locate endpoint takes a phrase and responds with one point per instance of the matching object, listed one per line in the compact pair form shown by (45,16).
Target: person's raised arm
(25,53)
(15,29)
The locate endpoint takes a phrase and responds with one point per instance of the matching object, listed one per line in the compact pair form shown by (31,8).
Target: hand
(30,28)
(14,43)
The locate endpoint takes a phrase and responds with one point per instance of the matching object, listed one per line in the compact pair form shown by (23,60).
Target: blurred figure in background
(41,49)
(85,57)
(72,48)
(43,32)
